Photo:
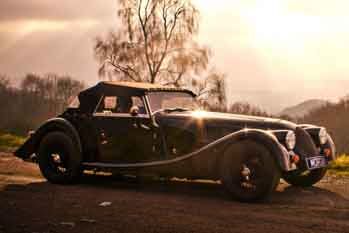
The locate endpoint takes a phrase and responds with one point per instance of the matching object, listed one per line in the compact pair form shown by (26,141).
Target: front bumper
(325,155)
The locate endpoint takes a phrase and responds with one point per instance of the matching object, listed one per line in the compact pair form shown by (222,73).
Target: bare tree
(155,43)
(67,88)
(211,91)
(4,82)
(51,89)
(246,108)
(38,98)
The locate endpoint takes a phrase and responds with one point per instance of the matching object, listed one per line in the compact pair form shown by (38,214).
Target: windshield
(169,100)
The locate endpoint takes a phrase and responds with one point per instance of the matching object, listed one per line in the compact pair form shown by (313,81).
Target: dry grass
(340,166)
(9,142)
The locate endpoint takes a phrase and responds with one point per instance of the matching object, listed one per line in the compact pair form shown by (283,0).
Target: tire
(305,179)
(264,172)
(59,159)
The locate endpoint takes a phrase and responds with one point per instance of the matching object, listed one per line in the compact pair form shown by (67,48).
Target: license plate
(316,162)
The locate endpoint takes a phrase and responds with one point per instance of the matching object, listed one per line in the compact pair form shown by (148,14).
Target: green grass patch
(340,166)
(9,142)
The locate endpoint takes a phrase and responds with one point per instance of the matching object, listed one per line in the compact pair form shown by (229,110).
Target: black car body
(137,128)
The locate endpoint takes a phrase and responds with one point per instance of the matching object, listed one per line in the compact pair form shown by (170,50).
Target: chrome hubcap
(246,181)
(56,158)
(251,172)
(245,172)
(58,163)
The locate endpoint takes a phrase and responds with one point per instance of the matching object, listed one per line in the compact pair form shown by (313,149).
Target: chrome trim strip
(99,102)
(147,101)
(120,115)
(146,104)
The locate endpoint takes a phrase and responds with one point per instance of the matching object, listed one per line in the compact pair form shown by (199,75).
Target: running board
(143,165)
(116,165)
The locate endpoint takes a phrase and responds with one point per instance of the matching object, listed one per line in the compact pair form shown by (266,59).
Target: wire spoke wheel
(249,172)
(59,160)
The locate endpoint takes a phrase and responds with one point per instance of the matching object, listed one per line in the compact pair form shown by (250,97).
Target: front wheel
(249,172)
(305,179)
(59,159)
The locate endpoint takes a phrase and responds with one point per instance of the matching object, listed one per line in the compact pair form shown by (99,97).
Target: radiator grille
(305,145)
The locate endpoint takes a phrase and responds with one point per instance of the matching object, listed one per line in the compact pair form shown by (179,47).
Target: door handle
(140,125)
(137,124)
(104,139)
(144,127)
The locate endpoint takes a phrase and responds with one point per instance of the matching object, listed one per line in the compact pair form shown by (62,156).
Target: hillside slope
(302,109)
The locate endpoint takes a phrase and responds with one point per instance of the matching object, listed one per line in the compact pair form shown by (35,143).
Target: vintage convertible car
(145,129)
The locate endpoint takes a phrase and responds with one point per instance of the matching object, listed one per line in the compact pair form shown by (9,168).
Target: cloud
(12,10)
(48,51)
(269,49)
(52,36)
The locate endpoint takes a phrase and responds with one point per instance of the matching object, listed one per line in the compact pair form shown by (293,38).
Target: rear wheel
(305,179)
(249,172)
(59,159)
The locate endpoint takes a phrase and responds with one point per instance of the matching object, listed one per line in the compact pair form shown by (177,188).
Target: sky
(275,53)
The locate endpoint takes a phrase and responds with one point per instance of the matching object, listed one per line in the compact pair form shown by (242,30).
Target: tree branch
(167,36)
(125,70)
(145,35)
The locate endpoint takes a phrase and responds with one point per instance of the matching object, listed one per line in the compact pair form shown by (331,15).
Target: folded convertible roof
(90,97)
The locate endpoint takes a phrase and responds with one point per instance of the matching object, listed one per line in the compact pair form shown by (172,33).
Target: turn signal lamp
(327,152)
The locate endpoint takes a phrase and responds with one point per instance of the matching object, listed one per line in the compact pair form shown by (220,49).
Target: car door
(123,138)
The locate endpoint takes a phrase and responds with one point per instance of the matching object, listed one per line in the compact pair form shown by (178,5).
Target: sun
(274,26)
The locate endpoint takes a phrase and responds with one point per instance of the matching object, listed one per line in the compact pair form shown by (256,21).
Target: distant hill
(334,117)
(303,108)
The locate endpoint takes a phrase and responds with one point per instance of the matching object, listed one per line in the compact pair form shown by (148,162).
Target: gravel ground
(29,204)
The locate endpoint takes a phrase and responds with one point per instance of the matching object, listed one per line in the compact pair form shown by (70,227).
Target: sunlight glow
(30,26)
(296,40)
(33,26)
(276,27)
(199,114)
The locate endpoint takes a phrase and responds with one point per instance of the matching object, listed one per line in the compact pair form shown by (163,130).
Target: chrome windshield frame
(148,102)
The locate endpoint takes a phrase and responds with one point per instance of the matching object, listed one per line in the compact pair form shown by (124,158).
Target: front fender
(31,145)
(313,132)
(277,150)
(330,144)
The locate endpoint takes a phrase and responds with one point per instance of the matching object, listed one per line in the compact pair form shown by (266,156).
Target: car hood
(232,120)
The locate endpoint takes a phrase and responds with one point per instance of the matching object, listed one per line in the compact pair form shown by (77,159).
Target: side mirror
(134,111)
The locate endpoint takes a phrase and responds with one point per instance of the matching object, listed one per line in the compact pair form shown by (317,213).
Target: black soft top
(90,97)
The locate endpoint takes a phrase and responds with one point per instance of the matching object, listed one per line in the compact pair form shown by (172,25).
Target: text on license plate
(316,162)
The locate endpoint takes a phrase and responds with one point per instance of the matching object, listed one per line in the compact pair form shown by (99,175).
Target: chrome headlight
(323,136)
(290,140)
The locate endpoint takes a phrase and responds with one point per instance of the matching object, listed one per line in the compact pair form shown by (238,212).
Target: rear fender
(31,145)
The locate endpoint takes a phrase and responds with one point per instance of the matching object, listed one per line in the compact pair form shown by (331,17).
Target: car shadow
(316,197)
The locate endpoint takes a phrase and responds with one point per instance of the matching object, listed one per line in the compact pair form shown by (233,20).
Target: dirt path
(29,204)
